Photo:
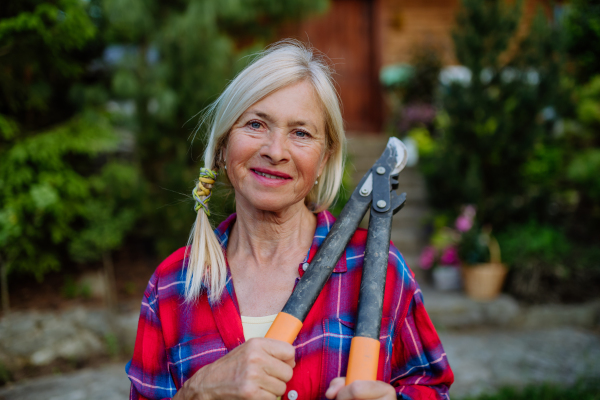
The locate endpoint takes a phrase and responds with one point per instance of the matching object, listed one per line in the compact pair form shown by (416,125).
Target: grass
(581,391)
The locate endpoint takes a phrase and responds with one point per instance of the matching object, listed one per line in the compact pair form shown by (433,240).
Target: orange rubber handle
(363,360)
(284,328)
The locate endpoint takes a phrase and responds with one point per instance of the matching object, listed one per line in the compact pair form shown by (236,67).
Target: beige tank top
(257,326)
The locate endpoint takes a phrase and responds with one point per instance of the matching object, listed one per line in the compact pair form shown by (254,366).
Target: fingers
(278,369)
(362,390)
(259,369)
(334,387)
(273,385)
(281,350)
(266,387)
(273,357)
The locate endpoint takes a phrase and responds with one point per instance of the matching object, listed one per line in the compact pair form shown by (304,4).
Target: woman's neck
(266,239)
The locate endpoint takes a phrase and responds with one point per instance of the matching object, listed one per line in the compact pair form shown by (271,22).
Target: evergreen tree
(58,149)
(98,103)
(499,116)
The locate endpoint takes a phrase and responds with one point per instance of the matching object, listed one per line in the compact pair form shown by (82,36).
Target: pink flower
(427,257)
(450,256)
(463,224)
(465,220)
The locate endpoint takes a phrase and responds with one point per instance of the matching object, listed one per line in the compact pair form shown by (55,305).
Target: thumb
(334,387)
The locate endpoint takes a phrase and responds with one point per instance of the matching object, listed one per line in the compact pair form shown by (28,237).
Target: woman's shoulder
(170,271)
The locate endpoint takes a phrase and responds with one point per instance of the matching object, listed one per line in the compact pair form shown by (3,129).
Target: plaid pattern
(174,340)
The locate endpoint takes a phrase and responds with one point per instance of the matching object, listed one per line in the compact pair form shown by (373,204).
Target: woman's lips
(270,178)
(271,174)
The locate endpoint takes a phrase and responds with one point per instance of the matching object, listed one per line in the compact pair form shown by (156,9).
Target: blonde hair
(284,63)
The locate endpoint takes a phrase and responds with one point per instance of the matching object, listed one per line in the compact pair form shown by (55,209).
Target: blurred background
(498,102)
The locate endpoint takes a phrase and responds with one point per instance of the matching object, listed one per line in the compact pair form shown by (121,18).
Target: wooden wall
(361,36)
(409,24)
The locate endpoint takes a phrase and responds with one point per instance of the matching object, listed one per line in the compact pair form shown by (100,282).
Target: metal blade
(399,149)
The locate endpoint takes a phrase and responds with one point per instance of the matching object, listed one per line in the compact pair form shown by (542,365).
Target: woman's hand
(360,390)
(258,369)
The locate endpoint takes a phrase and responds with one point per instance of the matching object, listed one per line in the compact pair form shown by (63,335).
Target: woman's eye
(255,125)
(302,134)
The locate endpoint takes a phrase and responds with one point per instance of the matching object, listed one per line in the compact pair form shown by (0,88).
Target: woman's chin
(276,205)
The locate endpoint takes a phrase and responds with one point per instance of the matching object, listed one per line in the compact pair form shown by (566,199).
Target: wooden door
(347,34)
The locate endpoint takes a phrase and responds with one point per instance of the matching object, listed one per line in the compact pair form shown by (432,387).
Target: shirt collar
(325,221)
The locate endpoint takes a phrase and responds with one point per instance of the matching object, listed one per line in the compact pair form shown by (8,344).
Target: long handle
(284,328)
(364,348)
(289,321)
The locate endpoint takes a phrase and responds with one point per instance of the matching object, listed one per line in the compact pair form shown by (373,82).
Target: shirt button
(292,394)
(304,266)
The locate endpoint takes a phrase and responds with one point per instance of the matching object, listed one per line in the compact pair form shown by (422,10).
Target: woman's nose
(275,148)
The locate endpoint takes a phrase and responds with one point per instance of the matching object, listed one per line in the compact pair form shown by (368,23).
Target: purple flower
(463,224)
(450,256)
(427,257)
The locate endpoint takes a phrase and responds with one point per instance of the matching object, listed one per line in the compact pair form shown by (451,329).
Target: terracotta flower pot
(483,281)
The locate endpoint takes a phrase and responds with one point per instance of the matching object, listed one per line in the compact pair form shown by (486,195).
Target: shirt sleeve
(148,369)
(420,369)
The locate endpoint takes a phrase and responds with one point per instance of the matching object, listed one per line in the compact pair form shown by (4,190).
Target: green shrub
(547,266)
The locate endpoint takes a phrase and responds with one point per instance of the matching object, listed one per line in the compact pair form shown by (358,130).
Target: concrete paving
(483,362)
(105,383)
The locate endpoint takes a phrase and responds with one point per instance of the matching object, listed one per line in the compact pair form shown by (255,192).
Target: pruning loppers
(376,191)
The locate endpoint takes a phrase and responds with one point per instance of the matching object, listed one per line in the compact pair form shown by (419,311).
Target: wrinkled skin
(258,369)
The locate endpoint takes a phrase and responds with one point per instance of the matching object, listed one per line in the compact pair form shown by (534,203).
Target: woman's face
(276,149)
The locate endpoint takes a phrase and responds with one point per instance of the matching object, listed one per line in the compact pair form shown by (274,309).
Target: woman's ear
(324,162)
(221,160)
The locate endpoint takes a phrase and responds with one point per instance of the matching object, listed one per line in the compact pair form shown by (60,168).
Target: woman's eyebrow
(260,114)
(267,117)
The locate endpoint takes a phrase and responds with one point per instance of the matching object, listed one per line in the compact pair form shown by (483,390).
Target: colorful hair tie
(202,193)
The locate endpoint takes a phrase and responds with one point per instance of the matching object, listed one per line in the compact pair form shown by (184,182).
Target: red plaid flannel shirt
(174,340)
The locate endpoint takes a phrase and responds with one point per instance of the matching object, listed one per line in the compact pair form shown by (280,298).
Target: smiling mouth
(268,175)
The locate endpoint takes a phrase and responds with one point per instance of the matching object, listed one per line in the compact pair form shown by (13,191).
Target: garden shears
(376,190)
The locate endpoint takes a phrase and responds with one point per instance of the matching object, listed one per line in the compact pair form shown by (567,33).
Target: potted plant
(466,250)
(482,270)
(441,257)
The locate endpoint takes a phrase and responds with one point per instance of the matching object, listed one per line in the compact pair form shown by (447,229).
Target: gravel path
(482,363)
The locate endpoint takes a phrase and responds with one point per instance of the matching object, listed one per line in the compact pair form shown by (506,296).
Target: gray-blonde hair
(282,64)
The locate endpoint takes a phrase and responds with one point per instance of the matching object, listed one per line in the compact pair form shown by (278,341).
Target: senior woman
(276,133)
